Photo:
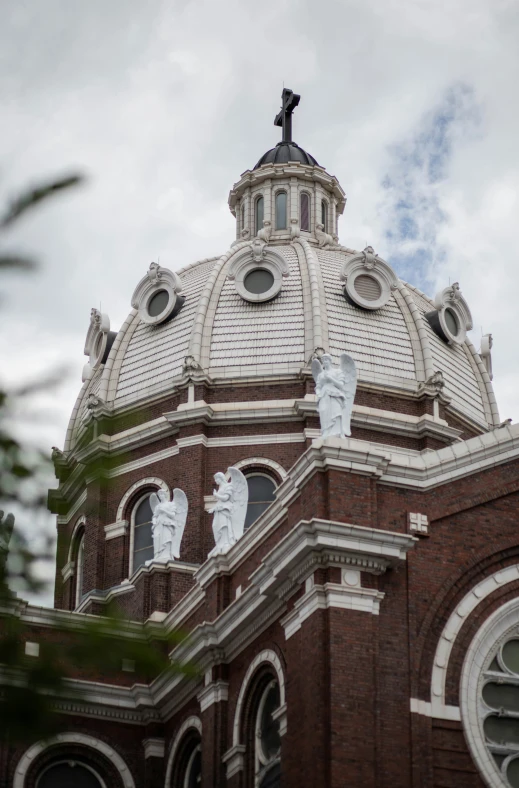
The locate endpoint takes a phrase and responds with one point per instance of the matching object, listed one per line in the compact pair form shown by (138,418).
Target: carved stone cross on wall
(289,101)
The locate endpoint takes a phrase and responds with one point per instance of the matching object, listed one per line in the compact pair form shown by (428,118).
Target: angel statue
(167,524)
(230,509)
(335,388)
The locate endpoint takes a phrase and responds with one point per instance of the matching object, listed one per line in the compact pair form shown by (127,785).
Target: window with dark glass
(500,710)
(259,214)
(66,774)
(268,739)
(258,281)
(243,216)
(281,211)
(324,215)
(193,776)
(305,211)
(142,537)
(262,491)
(80,569)
(158,303)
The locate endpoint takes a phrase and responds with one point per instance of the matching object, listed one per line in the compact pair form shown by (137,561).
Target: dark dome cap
(285,152)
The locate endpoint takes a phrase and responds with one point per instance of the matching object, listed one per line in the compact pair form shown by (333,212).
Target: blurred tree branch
(30,687)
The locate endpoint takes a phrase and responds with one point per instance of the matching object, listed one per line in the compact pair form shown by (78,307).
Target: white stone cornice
(234,760)
(330,595)
(216,692)
(78,503)
(154,748)
(68,570)
(115,530)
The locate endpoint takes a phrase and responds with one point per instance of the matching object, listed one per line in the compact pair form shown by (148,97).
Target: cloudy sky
(412,104)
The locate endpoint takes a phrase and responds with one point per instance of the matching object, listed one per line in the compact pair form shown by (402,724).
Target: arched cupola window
(324,215)
(305,211)
(281,211)
(141,545)
(243,216)
(259,213)
(262,491)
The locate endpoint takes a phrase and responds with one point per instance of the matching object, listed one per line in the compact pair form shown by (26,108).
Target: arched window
(259,214)
(243,216)
(324,215)
(187,767)
(281,211)
(264,735)
(70,772)
(80,569)
(305,211)
(262,491)
(141,538)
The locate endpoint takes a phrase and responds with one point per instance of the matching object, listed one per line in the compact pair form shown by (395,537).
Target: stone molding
(148,481)
(234,760)
(267,656)
(330,595)
(452,628)
(68,570)
(114,530)
(215,692)
(440,712)
(367,263)
(154,748)
(35,750)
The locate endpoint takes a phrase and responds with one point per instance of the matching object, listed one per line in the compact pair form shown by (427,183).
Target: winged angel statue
(168,523)
(230,509)
(335,388)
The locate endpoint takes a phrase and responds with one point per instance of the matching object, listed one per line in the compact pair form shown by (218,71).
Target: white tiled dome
(394,347)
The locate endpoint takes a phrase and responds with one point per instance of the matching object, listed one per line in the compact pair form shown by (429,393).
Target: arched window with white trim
(141,539)
(324,215)
(304,211)
(80,569)
(262,492)
(258,214)
(281,211)
(187,766)
(267,754)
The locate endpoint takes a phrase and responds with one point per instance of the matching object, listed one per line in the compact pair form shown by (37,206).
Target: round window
(367,287)
(451,321)
(158,303)
(258,281)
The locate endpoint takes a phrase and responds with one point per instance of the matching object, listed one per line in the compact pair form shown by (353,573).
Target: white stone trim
(454,624)
(142,462)
(319,313)
(66,518)
(190,722)
(150,480)
(496,628)
(267,656)
(258,256)
(115,530)
(215,692)
(32,649)
(450,298)
(367,263)
(241,440)
(155,280)
(153,748)
(367,600)
(35,750)
(424,707)
(68,570)
(253,462)
(81,522)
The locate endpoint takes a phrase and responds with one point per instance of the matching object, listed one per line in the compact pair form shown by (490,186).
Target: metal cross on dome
(289,101)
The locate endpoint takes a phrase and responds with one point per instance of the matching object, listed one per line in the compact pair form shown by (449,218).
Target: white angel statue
(168,523)
(230,509)
(335,388)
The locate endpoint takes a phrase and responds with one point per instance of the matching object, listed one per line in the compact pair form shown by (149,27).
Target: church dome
(285,152)
(285,292)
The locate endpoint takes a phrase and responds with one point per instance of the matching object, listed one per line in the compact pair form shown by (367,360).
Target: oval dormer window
(368,287)
(158,303)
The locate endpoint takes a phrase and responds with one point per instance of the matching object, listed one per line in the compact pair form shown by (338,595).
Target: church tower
(362,630)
